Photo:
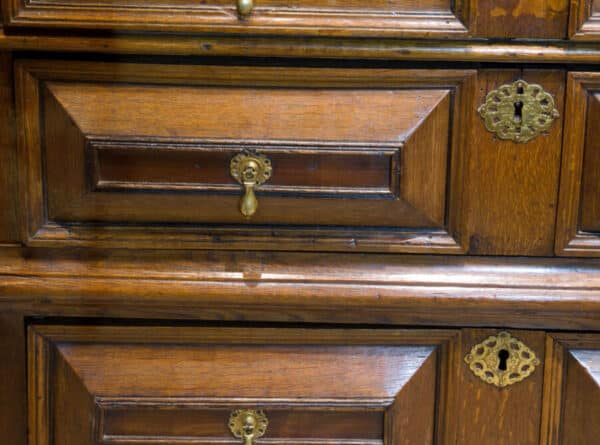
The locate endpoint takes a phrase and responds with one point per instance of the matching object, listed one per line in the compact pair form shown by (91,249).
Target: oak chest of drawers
(304,222)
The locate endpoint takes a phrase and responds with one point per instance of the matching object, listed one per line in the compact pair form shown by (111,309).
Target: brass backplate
(248,424)
(502,360)
(250,170)
(519,111)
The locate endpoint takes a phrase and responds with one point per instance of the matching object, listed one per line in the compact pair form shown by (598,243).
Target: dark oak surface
(383,289)
(577,224)
(316,386)
(416,116)
(150,342)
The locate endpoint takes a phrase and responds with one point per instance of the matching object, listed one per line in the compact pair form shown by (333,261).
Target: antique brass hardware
(250,170)
(519,111)
(502,360)
(248,424)
(244,7)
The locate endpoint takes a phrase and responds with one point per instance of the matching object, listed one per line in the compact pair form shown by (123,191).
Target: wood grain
(577,207)
(103,376)
(495,416)
(584,20)
(572,394)
(419,113)
(521,180)
(543,19)
(399,18)
(525,52)
(9,229)
(294,287)
(13,382)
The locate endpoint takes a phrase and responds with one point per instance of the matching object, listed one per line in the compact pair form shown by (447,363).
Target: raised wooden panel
(572,390)
(158,385)
(399,18)
(578,224)
(584,23)
(512,187)
(510,19)
(138,155)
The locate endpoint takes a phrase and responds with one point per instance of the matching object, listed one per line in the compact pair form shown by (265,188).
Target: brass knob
(250,170)
(248,424)
(244,7)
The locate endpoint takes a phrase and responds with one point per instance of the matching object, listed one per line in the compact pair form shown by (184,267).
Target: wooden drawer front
(370,157)
(579,210)
(584,23)
(179,385)
(411,18)
(572,397)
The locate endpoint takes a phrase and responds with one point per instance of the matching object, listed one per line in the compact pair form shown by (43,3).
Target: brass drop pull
(502,360)
(250,170)
(248,424)
(518,112)
(244,7)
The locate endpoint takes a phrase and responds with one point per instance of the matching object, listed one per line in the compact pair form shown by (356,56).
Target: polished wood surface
(577,223)
(179,384)
(572,394)
(495,417)
(400,18)
(511,19)
(584,23)
(9,228)
(520,179)
(415,116)
(288,287)
(137,305)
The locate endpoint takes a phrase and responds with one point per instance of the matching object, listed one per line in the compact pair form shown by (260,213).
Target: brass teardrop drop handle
(248,424)
(244,7)
(250,170)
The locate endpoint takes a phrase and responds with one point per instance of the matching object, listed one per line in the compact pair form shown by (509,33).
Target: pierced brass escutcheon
(518,112)
(250,170)
(502,360)
(248,424)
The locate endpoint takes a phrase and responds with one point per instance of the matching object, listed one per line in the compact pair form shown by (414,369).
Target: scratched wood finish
(544,19)
(494,416)
(415,118)
(8,156)
(399,18)
(521,180)
(571,390)
(577,232)
(299,287)
(118,384)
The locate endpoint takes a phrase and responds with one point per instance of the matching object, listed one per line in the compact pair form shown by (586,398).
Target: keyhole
(518,111)
(503,356)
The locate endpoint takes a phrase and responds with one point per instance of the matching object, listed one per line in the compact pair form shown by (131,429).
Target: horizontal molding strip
(298,287)
(383,49)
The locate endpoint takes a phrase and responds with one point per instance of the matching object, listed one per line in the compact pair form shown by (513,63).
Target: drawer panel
(584,23)
(359,159)
(411,18)
(572,400)
(578,230)
(154,385)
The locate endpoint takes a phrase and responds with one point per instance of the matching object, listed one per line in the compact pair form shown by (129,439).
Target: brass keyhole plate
(502,360)
(519,111)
